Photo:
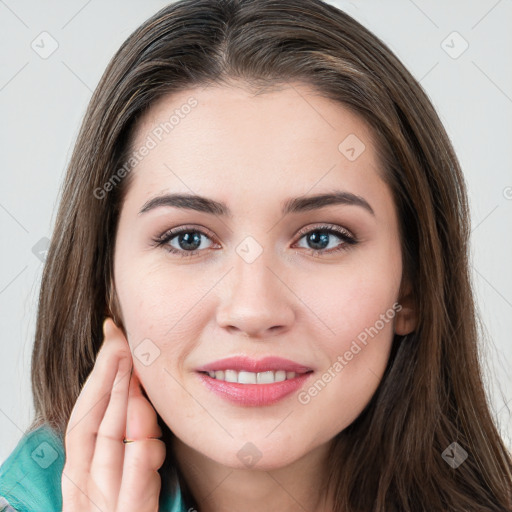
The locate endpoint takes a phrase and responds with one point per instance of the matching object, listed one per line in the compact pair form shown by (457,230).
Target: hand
(102,472)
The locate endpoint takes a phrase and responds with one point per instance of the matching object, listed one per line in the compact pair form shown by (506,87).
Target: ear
(406,319)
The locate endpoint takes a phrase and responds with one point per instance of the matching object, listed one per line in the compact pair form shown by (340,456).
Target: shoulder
(30,478)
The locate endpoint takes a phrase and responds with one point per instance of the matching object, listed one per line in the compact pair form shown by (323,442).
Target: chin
(262,455)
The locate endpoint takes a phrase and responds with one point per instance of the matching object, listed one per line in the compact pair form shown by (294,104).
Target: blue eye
(321,237)
(188,240)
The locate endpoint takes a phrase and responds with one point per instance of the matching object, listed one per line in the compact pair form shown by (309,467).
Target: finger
(142,419)
(89,409)
(140,488)
(141,485)
(107,463)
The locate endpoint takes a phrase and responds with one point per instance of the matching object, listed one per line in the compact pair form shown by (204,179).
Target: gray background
(42,101)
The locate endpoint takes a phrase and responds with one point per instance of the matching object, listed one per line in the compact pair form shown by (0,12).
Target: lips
(254,395)
(289,377)
(244,363)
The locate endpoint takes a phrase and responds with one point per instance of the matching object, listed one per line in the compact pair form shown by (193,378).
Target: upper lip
(244,363)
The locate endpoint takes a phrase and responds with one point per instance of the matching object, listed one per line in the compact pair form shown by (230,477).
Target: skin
(253,152)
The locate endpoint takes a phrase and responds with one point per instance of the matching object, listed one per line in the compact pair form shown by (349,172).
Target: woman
(309,356)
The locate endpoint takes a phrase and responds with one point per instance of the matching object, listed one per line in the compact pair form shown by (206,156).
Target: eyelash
(167,236)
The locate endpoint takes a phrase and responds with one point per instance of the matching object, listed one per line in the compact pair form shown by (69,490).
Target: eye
(188,240)
(320,238)
(185,241)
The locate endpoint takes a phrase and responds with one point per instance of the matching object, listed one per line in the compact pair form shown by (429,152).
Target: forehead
(221,141)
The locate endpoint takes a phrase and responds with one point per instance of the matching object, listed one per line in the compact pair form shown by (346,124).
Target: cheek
(161,324)
(159,304)
(355,309)
(345,302)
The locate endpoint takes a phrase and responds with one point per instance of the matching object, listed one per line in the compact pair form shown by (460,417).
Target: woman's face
(253,281)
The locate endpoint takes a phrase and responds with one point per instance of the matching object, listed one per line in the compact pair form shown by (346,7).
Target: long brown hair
(432,393)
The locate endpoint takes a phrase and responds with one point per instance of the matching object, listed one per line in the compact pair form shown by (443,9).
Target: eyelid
(325,225)
(175,231)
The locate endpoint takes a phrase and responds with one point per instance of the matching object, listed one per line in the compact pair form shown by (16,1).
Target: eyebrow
(291,205)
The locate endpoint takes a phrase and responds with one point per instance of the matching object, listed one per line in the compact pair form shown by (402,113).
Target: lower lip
(254,395)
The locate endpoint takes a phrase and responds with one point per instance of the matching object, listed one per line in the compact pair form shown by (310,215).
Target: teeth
(244,377)
(230,376)
(265,377)
(280,376)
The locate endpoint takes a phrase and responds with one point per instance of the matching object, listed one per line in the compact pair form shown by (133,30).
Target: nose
(255,300)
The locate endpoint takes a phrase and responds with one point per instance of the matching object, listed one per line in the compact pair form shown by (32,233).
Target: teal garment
(30,478)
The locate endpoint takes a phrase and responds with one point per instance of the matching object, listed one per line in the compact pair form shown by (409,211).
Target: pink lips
(241,363)
(254,395)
